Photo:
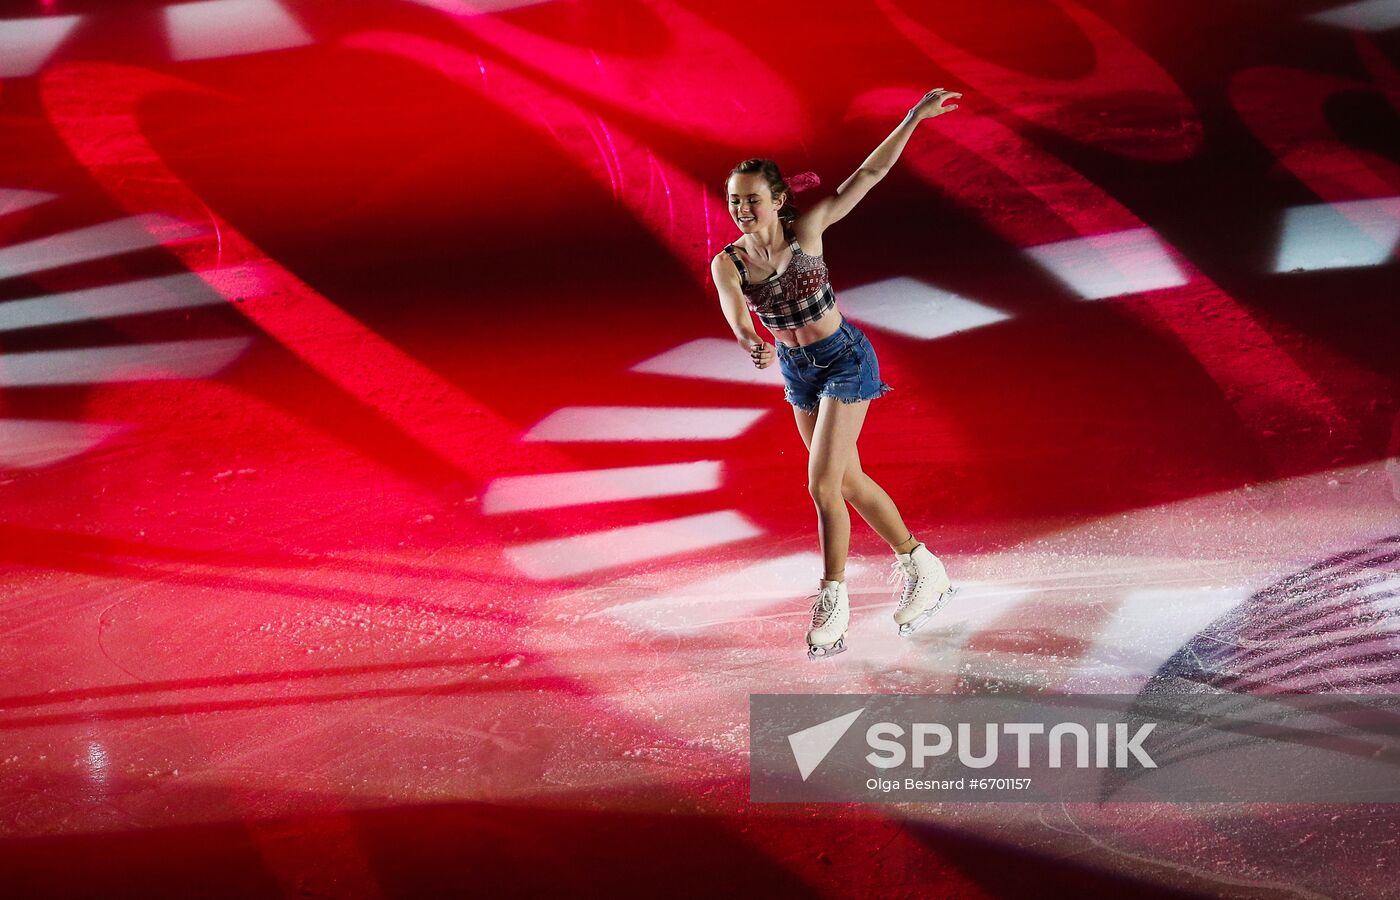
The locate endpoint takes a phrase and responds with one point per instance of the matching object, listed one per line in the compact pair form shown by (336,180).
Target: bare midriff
(810,333)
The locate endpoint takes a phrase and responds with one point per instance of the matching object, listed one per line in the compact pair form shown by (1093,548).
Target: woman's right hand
(762,354)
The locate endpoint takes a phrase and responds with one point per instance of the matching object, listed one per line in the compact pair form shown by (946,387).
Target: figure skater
(830,372)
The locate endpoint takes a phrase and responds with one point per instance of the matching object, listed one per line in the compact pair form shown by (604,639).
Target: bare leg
(863,493)
(876,508)
(833,444)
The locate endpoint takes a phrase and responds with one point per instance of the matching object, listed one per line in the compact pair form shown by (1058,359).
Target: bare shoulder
(723,269)
(808,231)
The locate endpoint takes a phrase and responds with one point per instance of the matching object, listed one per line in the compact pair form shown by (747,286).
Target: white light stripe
(26,44)
(1110,265)
(31,443)
(217,28)
(16,199)
(93,242)
(560,489)
(974,608)
(1339,235)
(1383,596)
(1147,628)
(138,362)
(910,307)
(1367,15)
(563,557)
(643,423)
(712,359)
(128,298)
(772,586)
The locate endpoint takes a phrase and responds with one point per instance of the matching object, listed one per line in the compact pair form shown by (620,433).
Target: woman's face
(751,203)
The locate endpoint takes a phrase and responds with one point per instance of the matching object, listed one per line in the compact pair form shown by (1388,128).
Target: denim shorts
(841,365)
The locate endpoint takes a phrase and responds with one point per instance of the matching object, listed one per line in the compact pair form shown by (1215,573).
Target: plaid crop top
(801,293)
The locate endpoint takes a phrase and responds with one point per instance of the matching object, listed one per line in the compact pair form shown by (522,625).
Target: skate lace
(823,605)
(905,571)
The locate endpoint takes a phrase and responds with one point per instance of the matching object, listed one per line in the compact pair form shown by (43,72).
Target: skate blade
(922,618)
(817,652)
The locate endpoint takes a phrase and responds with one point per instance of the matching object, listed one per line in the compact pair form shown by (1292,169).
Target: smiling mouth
(746,218)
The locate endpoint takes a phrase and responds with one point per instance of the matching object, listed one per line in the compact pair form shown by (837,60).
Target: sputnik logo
(811,745)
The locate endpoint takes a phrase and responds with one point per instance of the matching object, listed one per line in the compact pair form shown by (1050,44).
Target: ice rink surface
(385,509)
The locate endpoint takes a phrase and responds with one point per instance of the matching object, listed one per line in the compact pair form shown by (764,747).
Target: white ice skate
(926,588)
(831,615)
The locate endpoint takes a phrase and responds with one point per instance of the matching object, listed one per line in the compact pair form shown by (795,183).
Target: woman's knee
(853,484)
(826,490)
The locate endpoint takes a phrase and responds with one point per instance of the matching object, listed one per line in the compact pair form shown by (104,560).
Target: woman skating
(830,370)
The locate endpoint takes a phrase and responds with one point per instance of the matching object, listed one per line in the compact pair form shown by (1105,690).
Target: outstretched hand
(932,104)
(762,354)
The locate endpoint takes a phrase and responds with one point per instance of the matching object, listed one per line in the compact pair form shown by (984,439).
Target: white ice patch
(974,607)
(32,443)
(135,362)
(16,199)
(211,29)
(125,299)
(559,489)
(711,359)
(1367,15)
(26,44)
(643,423)
(735,596)
(910,307)
(1147,628)
(1339,235)
(1111,265)
(93,242)
(579,554)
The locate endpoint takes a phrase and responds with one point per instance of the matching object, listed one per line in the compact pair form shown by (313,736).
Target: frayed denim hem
(884,389)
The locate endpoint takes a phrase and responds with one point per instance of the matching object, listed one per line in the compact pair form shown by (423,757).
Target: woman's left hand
(932,104)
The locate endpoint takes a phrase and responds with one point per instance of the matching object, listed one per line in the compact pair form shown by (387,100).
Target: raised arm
(829,210)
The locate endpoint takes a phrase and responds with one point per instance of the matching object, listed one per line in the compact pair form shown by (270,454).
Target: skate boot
(926,588)
(831,614)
